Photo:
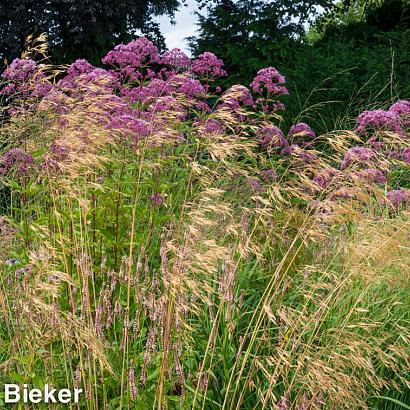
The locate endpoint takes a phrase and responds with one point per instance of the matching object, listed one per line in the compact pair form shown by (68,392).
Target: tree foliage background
(356,52)
(80,28)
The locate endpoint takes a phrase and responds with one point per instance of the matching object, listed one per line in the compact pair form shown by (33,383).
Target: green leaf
(395,401)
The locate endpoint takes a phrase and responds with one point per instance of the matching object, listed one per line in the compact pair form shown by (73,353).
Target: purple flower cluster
(210,127)
(270,80)
(176,58)
(379,120)
(398,197)
(79,67)
(406,155)
(402,109)
(325,177)
(302,130)
(20,70)
(271,136)
(301,155)
(26,79)
(371,175)
(135,54)
(208,65)
(235,99)
(268,83)
(357,155)
(15,160)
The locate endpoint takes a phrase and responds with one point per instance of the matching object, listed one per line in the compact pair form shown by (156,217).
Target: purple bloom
(208,65)
(20,70)
(379,120)
(16,160)
(157,199)
(59,152)
(406,155)
(79,67)
(190,87)
(301,130)
(271,136)
(176,58)
(211,126)
(371,175)
(398,197)
(135,54)
(300,154)
(357,155)
(237,96)
(269,79)
(402,108)
(41,89)
(9,89)
(325,177)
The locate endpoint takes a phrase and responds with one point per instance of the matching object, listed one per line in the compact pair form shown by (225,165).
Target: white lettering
(35,396)
(64,396)
(77,393)
(49,395)
(11,393)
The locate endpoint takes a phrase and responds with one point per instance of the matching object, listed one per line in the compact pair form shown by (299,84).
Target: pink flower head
(269,79)
(176,58)
(357,155)
(208,65)
(211,126)
(371,175)
(135,54)
(326,176)
(237,96)
(398,197)
(406,155)
(16,160)
(402,108)
(20,70)
(83,77)
(379,120)
(9,89)
(301,130)
(190,87)
(79,67)
(271,136)
(300,154)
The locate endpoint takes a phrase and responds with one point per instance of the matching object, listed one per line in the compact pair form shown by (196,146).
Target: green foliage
(345,63)
(79,29)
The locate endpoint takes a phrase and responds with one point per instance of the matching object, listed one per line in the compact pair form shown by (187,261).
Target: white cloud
(185,26)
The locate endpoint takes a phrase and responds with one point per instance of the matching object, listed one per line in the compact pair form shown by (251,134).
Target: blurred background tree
(80,28)
(338,57)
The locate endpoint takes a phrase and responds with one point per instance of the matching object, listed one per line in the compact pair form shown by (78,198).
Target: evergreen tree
(79,28)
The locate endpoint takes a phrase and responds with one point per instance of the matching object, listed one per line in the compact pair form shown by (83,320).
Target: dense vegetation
(207,232)
(355,56)
(164,244)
